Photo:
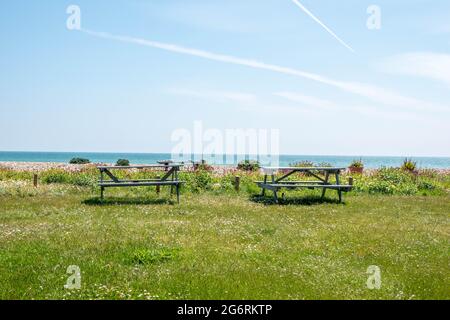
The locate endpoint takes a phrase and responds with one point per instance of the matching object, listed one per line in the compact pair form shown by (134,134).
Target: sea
(283,160)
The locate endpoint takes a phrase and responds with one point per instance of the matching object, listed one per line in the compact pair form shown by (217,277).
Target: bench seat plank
(292,186)
(139,184)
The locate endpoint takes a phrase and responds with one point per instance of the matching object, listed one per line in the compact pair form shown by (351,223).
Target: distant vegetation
(79,161)
(248,165)
(303,164)
(357,164)
(409,165)
(123,163)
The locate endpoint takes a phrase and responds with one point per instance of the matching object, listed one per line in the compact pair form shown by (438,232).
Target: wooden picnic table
(322,174)
(170,178)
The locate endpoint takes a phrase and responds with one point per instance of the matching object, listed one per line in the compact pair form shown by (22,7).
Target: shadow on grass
(126,201)
(304,201)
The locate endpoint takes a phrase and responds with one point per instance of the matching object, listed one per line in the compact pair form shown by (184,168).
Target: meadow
(223,244)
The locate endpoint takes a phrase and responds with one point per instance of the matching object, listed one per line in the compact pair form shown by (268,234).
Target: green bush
(55,176)
(7,174)
(197,181)
(409,165)
(303,164)
(395,181)
(393,175)
(325,165)
(248,165)
(357,164)
(83,180)
(123,163)
(79,161)
(203,166)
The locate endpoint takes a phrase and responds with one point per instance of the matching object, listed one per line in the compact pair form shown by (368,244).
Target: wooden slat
(306,168)
(141,184)
(299,182)
(325,186)
(120,181)
(141,167)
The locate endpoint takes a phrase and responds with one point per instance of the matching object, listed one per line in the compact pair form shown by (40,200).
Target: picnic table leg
(178,193)
(102,189)
(263,192)
(327,176)
(338,190)
(171,186)
(275,196)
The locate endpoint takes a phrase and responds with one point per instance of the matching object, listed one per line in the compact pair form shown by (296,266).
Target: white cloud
(372,92)
(435,66)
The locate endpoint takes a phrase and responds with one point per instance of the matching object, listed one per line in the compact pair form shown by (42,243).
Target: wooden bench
(170,178)
(322,174)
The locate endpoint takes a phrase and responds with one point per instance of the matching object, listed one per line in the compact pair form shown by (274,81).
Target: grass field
(215,246)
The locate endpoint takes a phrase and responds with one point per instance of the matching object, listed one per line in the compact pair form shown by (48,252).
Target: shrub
(202,166)
(7,174)
(55,176)
(248,165)
(197,181)
(380,186)
(393,175)
(427,185)
(79,161)
(303,164)
(409,165)
(325,165)
(393,181)
(123,163)
(83,180)
(357,164)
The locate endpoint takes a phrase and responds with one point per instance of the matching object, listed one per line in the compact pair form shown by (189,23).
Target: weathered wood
(35,180)
(165,163)
(330,169)
(137,180)
(237,182)
(158,187)
(168,174)
(338,183)
(172,173)
(263,192)
(149,166)
(109,174)
(295,181)
(308,186)
(323,183)
(140,184)
(327,176)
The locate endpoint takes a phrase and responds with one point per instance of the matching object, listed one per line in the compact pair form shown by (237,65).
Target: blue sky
(65,90)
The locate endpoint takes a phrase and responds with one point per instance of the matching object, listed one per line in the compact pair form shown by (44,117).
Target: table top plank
(305,168)
(151,166)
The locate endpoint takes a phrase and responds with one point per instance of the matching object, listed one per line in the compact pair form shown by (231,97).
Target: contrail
(374,93)
(211,56)
(312,16)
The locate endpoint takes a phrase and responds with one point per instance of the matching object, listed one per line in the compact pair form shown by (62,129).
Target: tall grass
(386,181)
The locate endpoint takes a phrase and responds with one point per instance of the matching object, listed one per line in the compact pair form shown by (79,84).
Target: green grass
(220,246)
